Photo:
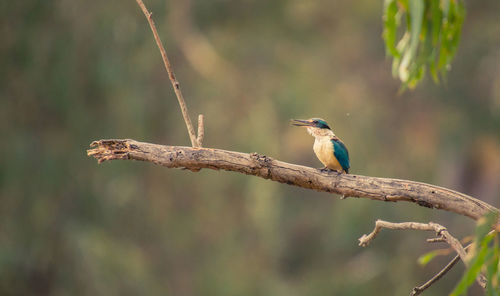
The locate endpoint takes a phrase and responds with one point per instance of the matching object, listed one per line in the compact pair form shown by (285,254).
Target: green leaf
(473,271)
(407,69)
(427,257)
(497,279)
(483,255)
(492,271)
(390,27)
(430,40)
(436,23)
(458,20)
(484,226)
(401,47)
(403,4)
(436,16)
(454,15)
(445,6)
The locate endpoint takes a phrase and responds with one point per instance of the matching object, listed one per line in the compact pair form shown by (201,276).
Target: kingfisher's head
(317,127)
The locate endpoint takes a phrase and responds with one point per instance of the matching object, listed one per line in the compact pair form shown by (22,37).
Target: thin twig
(201,130)
(436,240)
(440,230)
(171,75)
(448,267)
(418,290)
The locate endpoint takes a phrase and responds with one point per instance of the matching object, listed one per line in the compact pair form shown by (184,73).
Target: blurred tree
(73,71)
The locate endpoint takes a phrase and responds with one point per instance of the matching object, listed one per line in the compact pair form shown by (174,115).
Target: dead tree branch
(347,185)
(441,232)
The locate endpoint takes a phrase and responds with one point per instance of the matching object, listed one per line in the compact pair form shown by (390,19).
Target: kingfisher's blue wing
(341,153)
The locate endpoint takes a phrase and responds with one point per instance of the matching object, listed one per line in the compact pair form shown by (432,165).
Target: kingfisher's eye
(315,122)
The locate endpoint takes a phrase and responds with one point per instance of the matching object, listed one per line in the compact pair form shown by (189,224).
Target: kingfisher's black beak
(300,122)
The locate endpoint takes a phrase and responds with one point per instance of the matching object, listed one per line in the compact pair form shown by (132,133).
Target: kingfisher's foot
(324,169)
(329,170)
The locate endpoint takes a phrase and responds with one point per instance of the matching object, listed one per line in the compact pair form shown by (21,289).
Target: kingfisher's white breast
(323,148)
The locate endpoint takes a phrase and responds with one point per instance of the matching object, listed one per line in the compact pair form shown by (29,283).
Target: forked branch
(441,232)
(175,84)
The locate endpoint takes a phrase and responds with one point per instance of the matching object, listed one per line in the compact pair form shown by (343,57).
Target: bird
(329,149)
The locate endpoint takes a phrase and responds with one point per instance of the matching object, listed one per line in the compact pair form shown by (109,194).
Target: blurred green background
(77,71)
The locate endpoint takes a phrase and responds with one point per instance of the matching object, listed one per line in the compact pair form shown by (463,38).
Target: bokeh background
(76,71)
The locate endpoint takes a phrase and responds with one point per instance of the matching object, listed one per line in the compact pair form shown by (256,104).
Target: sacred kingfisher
(329,149)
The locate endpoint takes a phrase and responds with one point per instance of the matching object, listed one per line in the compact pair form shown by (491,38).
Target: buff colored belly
(324,152)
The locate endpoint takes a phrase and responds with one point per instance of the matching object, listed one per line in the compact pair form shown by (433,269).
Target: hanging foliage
(421,35)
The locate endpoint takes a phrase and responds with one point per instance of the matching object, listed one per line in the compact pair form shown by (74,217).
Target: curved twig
(440,230)
(347,185)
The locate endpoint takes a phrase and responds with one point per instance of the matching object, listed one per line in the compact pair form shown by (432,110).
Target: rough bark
(347,185)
